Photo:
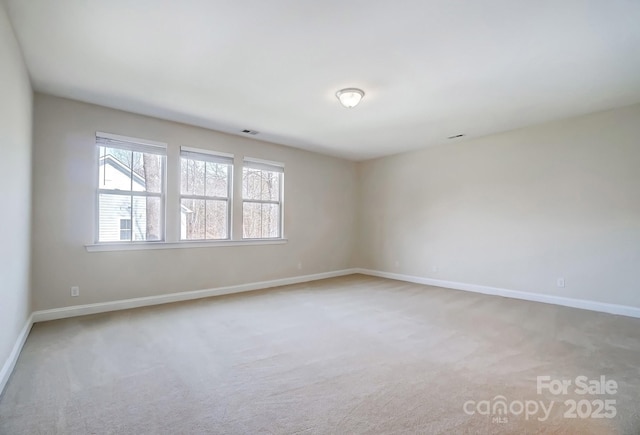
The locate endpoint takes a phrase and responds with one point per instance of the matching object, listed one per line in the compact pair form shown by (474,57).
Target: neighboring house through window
(130,188)
(262,187)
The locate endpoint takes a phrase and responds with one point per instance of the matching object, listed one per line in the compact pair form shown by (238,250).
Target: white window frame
(212,157)
(266,165)
(171,167)
(136,145)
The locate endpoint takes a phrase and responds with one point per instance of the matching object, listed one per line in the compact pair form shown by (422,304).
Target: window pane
(250,183)
(147,223)
(192,219)
(111,209)
(147,172)
(192,177)
(260,184)
(202,219)
(252,220)
(217,218)
(261,221)
(271,188)
(217,179)
(184,171)
(270,220)
(115,169)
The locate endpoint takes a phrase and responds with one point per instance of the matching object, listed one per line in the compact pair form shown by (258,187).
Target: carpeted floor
(343,356)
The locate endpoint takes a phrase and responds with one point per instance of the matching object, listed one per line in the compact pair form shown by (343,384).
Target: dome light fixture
(350,97)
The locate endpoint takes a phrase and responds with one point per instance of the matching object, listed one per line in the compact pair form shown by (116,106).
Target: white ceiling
(430,69)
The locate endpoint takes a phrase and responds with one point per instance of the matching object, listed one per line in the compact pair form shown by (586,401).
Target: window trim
(215,155)
(144,246)
(210,157)
(267,165)
(272,166)
(133,144)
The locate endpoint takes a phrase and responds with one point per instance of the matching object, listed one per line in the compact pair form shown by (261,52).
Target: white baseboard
(123,304)
(10,363)
(603,307)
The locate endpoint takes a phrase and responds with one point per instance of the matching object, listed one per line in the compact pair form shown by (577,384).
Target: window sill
(142,246)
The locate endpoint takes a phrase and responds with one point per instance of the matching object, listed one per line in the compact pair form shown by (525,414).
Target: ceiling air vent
(455,136)
(251,132)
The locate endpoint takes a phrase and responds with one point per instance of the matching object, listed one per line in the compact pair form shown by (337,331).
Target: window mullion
(130,193)
(210,198)
(261,201)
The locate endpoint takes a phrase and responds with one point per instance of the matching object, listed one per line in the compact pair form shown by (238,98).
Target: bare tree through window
(205,191)
(262,200)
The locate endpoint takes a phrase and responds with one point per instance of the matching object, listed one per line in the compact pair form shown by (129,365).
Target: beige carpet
(342,356)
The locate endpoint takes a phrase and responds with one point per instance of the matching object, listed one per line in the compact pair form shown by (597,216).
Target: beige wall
(320,207)
(515,210)
(15,188)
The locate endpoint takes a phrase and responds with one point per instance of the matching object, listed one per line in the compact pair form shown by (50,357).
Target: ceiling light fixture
(350,97)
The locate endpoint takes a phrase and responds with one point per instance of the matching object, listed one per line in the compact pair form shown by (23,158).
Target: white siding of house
(113,208)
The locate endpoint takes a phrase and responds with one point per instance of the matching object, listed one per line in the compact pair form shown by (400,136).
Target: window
(205,190)
(125,229)
(262,188)
(130,189)
(132,205)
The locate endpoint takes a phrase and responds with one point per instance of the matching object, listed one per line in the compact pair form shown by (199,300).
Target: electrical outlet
(299,265)
(434,269)
(75,291)
(560,282)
